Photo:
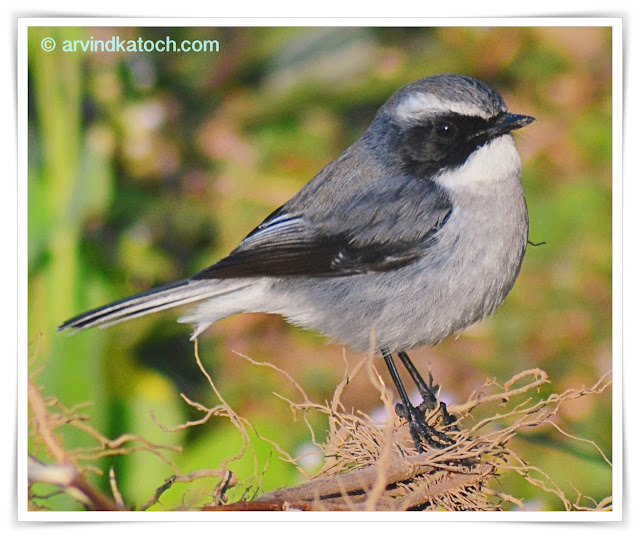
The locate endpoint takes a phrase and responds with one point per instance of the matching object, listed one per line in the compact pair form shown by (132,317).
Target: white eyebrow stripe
(418,105)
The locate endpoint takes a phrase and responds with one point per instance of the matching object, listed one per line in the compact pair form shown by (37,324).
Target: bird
(414,232)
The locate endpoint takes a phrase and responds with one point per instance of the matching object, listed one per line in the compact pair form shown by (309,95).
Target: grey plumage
(414,232)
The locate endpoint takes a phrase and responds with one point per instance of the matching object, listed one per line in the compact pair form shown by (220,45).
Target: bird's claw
(420,430)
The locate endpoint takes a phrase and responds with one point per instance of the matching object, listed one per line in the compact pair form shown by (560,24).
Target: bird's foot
(448,419)
(430,402)
(420,430)
(428,393)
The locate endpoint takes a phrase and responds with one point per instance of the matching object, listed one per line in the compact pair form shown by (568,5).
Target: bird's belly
(397,311)
(419,304)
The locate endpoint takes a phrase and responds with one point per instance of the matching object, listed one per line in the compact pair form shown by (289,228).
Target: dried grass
(368,465)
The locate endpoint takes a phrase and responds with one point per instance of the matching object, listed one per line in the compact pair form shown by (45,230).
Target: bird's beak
(504,124)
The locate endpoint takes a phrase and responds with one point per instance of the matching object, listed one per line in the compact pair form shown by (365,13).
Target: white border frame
(560,516)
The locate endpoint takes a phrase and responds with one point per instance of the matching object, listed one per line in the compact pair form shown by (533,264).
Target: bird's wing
(296,244)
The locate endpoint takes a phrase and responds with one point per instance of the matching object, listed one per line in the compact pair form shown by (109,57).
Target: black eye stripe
(461,125)
(431,144)
(446,130)
(465,125)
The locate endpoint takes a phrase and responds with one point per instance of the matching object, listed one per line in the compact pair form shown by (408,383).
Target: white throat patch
(495,162)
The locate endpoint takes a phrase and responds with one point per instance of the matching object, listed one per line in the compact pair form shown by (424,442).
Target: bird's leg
(427,391)
(414,416)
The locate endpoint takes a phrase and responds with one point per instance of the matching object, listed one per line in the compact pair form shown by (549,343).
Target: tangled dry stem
(373,466)
(368,465)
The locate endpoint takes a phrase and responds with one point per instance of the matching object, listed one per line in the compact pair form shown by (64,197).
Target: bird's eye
(446,130)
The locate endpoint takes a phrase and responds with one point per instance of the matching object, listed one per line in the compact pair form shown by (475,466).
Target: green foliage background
(146,167)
